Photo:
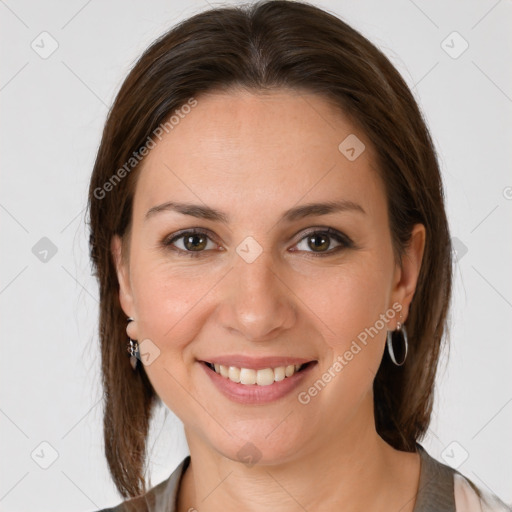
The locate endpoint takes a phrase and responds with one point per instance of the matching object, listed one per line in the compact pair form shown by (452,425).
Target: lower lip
(254,393)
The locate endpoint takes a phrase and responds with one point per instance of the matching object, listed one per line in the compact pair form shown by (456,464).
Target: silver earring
(399,328)
(133,349)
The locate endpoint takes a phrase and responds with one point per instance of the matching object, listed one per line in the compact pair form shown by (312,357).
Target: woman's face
(261,283)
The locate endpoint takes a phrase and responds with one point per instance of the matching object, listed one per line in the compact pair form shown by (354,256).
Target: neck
(334,469)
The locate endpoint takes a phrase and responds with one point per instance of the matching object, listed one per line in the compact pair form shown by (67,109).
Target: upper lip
(255,363)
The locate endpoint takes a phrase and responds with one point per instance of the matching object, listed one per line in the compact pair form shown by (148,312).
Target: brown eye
(320,241)
(192,242)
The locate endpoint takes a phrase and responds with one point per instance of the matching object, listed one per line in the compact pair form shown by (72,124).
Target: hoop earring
(400,328)
(133,349)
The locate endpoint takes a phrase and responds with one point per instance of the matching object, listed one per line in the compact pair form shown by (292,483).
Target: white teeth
(263,377)
(247,376)
(234,374)
(279,373)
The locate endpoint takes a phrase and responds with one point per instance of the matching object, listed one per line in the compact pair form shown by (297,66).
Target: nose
(256,301)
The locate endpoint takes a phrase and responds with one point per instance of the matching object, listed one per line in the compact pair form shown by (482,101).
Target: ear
(123,277)
(406,276)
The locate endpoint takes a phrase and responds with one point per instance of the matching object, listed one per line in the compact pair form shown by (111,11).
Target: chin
(260,443)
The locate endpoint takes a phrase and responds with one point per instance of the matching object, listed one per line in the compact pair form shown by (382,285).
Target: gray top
(441,489)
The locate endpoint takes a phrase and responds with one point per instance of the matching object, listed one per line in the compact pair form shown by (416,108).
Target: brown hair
(264,46)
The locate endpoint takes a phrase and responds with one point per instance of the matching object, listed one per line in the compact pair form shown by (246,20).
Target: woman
(268,229)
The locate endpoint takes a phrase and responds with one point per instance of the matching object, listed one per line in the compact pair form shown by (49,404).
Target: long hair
(265,46)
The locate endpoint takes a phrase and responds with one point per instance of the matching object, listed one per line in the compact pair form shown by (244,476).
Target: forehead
(256,149)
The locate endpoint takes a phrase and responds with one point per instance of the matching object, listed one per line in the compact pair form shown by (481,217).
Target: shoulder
(160,497)
(469,497)
(450,490)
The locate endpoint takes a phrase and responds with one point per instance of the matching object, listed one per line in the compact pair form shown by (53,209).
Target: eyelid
(320,229)
(196,231)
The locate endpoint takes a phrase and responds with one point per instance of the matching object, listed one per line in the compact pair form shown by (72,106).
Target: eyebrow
(291,215)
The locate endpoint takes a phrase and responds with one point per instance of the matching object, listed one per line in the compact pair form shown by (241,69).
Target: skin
(255,156)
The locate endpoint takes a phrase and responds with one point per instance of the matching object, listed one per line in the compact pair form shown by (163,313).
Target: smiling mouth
(262,377)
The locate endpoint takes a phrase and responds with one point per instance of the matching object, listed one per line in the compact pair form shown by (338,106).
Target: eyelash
(339,237)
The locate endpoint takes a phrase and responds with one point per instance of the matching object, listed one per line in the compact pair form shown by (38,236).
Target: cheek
(165,301)
(168,304)
(353,309)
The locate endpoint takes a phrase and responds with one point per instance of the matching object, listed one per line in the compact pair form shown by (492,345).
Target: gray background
(53,109)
